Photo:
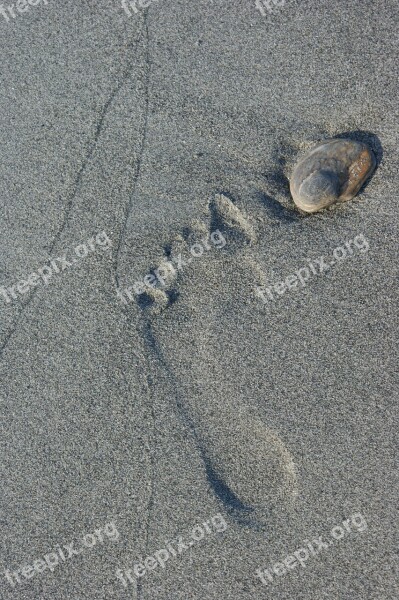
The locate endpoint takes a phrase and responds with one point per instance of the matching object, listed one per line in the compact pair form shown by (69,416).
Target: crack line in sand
(127,213)
(98,129)
(129,206)
(149,385)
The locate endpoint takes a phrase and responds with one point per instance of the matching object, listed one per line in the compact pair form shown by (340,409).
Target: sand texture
(214,355)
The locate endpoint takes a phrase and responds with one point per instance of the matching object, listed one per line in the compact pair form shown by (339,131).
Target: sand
(220,393)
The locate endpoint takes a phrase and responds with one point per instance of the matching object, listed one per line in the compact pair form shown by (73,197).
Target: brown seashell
(332,172)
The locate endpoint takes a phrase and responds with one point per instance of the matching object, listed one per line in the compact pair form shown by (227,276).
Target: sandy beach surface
(198,382)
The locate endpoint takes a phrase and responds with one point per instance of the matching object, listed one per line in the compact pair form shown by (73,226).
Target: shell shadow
(278,213)
(278,201)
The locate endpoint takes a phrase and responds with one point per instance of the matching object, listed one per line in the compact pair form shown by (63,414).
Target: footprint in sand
(247,464)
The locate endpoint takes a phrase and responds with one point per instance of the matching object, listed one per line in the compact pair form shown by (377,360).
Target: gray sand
(200,398)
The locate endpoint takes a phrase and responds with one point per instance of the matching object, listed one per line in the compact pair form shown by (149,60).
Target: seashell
(333,171)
